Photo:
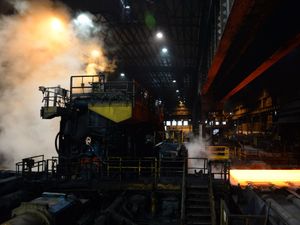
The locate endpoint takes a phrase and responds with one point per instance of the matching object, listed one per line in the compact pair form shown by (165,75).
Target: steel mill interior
(149,112)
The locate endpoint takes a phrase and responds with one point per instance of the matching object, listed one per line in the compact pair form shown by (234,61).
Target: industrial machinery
(218,153)
(106,156)
(101,119)
(49,208)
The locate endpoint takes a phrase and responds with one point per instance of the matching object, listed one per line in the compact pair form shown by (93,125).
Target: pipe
(30,214)
(286,216)
(25,219)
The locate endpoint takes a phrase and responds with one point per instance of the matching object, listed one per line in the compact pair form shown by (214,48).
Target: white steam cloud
(197,148)
(40,45)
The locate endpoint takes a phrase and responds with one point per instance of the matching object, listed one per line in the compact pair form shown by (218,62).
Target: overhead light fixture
(174,81)
(84,20)
(159,35)
(127,7)
(164,50)
(177,91)
(122,74)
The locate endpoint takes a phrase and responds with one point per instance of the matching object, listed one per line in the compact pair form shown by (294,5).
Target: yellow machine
(218,153)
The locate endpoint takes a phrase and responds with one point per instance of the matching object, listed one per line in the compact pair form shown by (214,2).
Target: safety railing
(96,86)
(51,166)
(31,165)
(197,165)
(183,191)
(113,168)
(54,96)
(218,152)
(211,198)
(118,168)
(220,170)
(130,168)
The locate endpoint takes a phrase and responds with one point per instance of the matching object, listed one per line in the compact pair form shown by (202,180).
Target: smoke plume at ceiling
(40,45)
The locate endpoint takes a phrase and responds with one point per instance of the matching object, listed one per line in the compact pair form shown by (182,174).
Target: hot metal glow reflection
(279,178)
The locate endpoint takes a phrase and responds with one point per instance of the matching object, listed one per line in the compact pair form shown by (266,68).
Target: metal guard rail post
(183,190)
(211,197)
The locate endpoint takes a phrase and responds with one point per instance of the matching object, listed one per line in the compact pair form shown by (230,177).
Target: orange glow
(278,178)
(57,25)
(96,53)
(97,61)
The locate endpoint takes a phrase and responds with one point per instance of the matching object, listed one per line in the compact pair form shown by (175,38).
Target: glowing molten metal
(278,178)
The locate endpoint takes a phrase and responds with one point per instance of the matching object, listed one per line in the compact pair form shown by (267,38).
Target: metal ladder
(197,204)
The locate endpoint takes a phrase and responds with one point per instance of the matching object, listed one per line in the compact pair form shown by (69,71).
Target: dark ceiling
(138,53)
(213,45)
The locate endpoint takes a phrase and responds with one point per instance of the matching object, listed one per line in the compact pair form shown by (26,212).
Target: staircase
(197,205)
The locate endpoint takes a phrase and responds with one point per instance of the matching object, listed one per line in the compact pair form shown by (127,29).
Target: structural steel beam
(279,54)
(163,69)
(238,15)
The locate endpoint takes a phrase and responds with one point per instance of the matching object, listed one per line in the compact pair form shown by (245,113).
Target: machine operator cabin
(149,112)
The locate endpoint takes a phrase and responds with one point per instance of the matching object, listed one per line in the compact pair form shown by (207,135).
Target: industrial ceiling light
(164,50)
(159,35)
(127,7)
(177,91)
(122,74)
(84,19)
(174,81)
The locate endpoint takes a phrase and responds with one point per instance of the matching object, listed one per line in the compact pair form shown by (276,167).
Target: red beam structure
(238,15)
(279,54)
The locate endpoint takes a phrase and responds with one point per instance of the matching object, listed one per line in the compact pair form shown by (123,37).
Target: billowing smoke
(197,148)
(40,45)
